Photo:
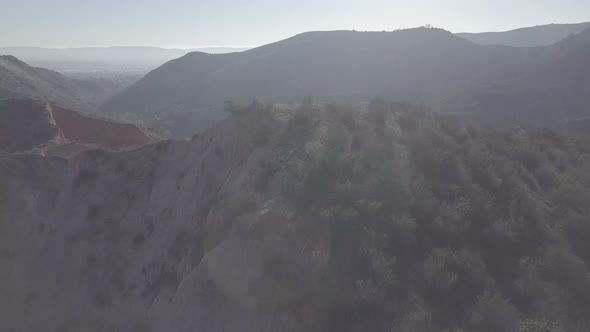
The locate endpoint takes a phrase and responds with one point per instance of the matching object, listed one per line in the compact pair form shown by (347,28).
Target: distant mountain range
(492,83)
(141,59)
(423,65)
(541,35)
(118,58)
(18,80)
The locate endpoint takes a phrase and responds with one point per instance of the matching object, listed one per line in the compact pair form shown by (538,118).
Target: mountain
(98,73)
(32,126)
(541,35)
(303,219)
(220,50)
(556,93)
(18,79)
(419,65)
(83,92)
(129,59)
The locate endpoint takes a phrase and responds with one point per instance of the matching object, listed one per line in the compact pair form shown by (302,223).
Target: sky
(196,23)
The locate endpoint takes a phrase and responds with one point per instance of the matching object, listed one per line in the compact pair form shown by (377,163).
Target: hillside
(28,125)
(315,218)
(83,92)
(542,35)
(553,94)
(419,65)
(18,80)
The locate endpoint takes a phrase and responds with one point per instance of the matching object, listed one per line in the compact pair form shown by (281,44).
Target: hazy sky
(196,23)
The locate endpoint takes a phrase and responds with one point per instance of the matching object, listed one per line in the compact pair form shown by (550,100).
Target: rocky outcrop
(168,237)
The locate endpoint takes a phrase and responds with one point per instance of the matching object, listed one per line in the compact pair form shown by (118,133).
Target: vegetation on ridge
(438,226)
(310,218)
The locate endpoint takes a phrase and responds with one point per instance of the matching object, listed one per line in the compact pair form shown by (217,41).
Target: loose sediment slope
(28,125)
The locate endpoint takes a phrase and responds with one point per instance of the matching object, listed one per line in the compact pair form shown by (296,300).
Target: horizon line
(185,47)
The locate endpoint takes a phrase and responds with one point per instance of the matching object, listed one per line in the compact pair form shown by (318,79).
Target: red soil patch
(100,133)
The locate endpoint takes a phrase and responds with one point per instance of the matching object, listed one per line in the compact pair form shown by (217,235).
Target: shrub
(85,176)
(494,313)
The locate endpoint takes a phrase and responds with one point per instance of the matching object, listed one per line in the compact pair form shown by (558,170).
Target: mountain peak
(412,32)
(13,59)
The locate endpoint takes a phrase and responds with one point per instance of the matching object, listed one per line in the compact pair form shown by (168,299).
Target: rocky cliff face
(168,237)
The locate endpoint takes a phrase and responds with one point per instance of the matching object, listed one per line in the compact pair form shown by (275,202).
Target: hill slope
(555,93)
(18,80)
(420,65)
(542,35)
(313,219)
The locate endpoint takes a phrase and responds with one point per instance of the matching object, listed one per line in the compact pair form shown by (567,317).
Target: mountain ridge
(540,35)
(552,94)
(19,79)
(418,65)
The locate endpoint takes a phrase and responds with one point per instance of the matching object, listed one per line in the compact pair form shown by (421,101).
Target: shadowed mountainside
(542,35)
(420,65)
(553,94)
